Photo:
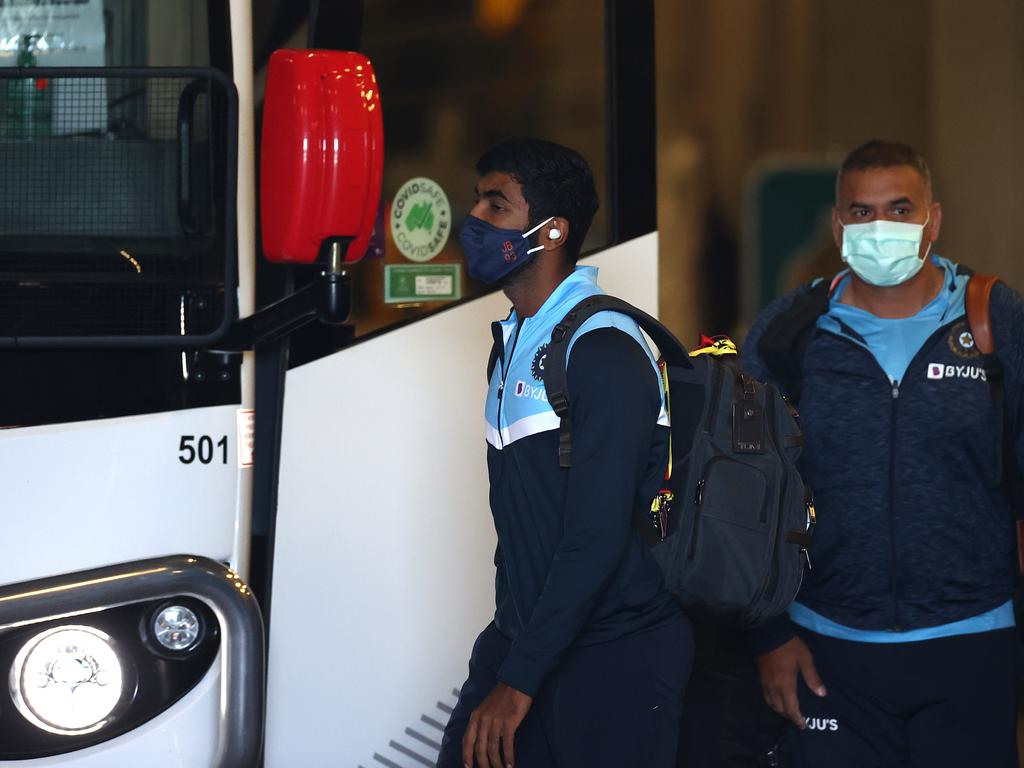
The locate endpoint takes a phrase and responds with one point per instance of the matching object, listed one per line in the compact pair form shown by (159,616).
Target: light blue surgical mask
(884,252)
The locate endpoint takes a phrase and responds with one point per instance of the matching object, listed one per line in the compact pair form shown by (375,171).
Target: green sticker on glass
(408,283)
(421,219)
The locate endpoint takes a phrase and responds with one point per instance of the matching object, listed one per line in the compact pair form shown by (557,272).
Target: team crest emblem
(537,367)
(961,341)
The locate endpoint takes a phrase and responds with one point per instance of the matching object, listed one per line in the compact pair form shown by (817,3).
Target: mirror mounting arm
(328,298)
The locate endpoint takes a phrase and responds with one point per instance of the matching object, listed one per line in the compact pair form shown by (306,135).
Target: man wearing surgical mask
(900,648)
(587,656)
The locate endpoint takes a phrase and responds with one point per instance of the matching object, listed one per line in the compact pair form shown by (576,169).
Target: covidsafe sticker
(421,219)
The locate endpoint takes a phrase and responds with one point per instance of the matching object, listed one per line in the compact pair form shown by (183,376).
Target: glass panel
(116,225)
(52,34)
(456,78)
(105,152)
(176,33)
(96,33)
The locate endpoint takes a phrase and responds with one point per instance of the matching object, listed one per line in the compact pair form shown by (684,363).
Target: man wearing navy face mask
(900,648)
(587,657)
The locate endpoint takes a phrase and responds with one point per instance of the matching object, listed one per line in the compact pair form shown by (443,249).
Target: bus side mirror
(322,153)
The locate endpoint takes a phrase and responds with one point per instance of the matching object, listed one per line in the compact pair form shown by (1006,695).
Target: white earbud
(554,234)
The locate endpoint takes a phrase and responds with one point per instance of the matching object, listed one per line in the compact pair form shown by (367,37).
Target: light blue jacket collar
(582,282)
(954,286)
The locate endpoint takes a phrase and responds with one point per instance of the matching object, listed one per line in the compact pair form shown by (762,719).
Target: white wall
(383,572)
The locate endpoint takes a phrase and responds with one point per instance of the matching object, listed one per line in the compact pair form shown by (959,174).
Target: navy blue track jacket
(914,527)
(571,568)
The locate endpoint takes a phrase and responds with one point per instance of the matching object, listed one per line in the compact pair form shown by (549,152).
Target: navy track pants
(930,704)
(612,704)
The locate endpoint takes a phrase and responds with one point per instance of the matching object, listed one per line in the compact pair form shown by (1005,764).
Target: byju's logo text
(822,724)
(940,371)
(530,391)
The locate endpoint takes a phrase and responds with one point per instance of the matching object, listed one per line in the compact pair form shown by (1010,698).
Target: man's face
(500,201)
(898,193)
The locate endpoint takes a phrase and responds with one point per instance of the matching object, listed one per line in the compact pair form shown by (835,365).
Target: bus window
(454,79)
(77,218)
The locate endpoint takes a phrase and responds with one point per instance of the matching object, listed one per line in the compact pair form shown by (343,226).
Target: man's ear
(837,229)
(931,233)
(554,234)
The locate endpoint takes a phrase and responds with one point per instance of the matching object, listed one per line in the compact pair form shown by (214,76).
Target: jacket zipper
(504,373)
(895,392)
(892,506)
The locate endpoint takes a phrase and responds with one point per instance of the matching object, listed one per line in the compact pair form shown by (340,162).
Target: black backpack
(732,525)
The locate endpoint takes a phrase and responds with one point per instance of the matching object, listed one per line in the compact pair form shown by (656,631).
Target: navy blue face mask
(492,252)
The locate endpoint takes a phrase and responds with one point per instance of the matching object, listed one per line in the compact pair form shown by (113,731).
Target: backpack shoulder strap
(785,339)
(979,293)
(555,380)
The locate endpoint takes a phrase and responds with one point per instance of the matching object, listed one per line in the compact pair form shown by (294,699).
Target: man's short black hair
(556,181)
(879,153)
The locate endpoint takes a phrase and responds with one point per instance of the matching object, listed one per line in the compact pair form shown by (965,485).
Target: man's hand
(492,726)
(778,670)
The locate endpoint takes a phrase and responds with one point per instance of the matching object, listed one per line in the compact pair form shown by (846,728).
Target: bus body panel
(88,494)
(383,565)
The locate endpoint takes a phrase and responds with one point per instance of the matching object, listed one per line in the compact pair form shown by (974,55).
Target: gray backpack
(731,527)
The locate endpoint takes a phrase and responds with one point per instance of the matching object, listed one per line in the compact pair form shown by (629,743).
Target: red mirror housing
(322,154)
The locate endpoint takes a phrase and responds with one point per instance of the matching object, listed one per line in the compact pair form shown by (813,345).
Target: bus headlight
(67,680)
(177,628)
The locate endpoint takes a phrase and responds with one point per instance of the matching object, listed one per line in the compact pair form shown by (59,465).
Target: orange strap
(836,281)
(1020,545)
(979,290)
